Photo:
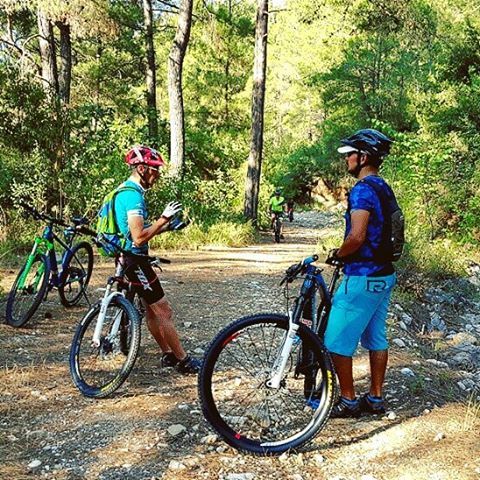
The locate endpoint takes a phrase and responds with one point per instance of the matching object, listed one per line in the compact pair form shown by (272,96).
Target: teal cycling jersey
(129,203)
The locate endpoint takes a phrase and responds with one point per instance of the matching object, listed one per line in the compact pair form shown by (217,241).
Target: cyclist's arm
(357,235)
(141,234)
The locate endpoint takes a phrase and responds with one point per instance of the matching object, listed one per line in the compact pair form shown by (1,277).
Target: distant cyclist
(276,206)
(290,207)
(132,220)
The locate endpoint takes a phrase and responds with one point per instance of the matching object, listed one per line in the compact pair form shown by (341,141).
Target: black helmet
(369,141)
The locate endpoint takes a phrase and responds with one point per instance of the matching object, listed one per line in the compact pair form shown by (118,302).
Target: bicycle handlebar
(43,216)
(297,269)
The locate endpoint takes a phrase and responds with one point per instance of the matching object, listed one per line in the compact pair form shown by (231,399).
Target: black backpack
(393,233)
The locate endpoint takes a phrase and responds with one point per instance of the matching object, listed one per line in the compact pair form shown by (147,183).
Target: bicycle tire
(75,272)
(277,231)
(18,319)
(234,427)
(80,373)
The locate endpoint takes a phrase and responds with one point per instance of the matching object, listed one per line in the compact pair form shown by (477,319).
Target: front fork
(284,354)
(107,298)
(28,266)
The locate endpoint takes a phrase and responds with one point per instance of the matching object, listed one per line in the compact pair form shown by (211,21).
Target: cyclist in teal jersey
(132,220)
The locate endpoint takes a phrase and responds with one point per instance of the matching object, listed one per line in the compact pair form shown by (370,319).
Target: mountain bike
(267,383)
(277,226)
(107,340)
(42,271)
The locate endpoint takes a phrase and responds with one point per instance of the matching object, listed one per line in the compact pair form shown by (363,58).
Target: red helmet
(144,155)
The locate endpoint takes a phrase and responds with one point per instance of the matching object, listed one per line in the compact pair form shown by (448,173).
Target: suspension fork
(28,265)
(107,298)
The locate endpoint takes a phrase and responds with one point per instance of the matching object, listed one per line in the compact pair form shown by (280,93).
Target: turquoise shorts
(359,311)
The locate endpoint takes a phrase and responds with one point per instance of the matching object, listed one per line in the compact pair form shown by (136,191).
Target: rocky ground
(153,427)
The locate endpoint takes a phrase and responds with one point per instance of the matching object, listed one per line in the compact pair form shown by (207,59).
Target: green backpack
(108,233)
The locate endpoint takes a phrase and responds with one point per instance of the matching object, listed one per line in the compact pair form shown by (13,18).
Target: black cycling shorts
(144,280)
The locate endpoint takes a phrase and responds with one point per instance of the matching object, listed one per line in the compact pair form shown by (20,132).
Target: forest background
(410,68)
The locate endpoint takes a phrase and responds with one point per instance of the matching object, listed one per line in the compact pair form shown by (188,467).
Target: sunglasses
(349,154)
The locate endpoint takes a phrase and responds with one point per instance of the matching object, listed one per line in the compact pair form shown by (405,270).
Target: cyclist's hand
(172,209)
(332,257)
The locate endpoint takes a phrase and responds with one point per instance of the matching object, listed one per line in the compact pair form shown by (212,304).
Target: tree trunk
(175,68)
(47,53)
(151,73)
(65,74)
(252,185)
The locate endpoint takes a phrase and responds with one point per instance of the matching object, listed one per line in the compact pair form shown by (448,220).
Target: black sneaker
(342,410)
(168,360)
(189,365)
(374,408)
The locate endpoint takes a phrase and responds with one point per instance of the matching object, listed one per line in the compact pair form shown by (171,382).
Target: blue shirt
(131,203)
(363,197)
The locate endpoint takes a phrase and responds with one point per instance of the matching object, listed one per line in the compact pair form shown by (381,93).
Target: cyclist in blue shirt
(132,220)
(359,308)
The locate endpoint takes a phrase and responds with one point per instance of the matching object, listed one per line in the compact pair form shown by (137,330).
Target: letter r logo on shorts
(143,279)
(375,286)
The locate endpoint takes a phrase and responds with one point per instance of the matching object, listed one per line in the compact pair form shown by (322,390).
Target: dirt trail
(48,430)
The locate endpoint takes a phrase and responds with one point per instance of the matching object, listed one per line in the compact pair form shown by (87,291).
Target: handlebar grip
(309,260)
(164,260)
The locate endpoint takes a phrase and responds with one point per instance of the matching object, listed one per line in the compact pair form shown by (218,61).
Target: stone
(34,464)
(399,342)
(391,416)
(318,459)
(175,465)
(439,436)
(437,363)
(176,429)
(240,476)
(407,372)
(402,325)
(209,439)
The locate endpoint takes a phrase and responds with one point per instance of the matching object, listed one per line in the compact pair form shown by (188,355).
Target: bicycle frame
(312,282)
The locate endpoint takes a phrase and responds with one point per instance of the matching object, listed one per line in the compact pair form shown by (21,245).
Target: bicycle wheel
(76,274)
(24,300)
(236,400)
(97,371)
(277,230)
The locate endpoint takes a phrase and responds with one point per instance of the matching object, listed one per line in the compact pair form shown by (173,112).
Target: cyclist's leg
(374,338)
(159,313)
(353,307)
(163,329)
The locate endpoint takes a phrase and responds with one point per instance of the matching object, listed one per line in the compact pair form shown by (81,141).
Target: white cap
(347,149)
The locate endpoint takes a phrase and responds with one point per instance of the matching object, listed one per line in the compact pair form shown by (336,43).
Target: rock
(439,436)
(175,465)
(406,319)
(240,476)
(176,429)
(402,325)
(199,351)
(399,342)
(463,339)
(426,411)
(391,416)
(296,476)
(34,464)
(407,372)
(187,324)
(437,363)
(436,324)
(283,457)
(318,459)
(209,439)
